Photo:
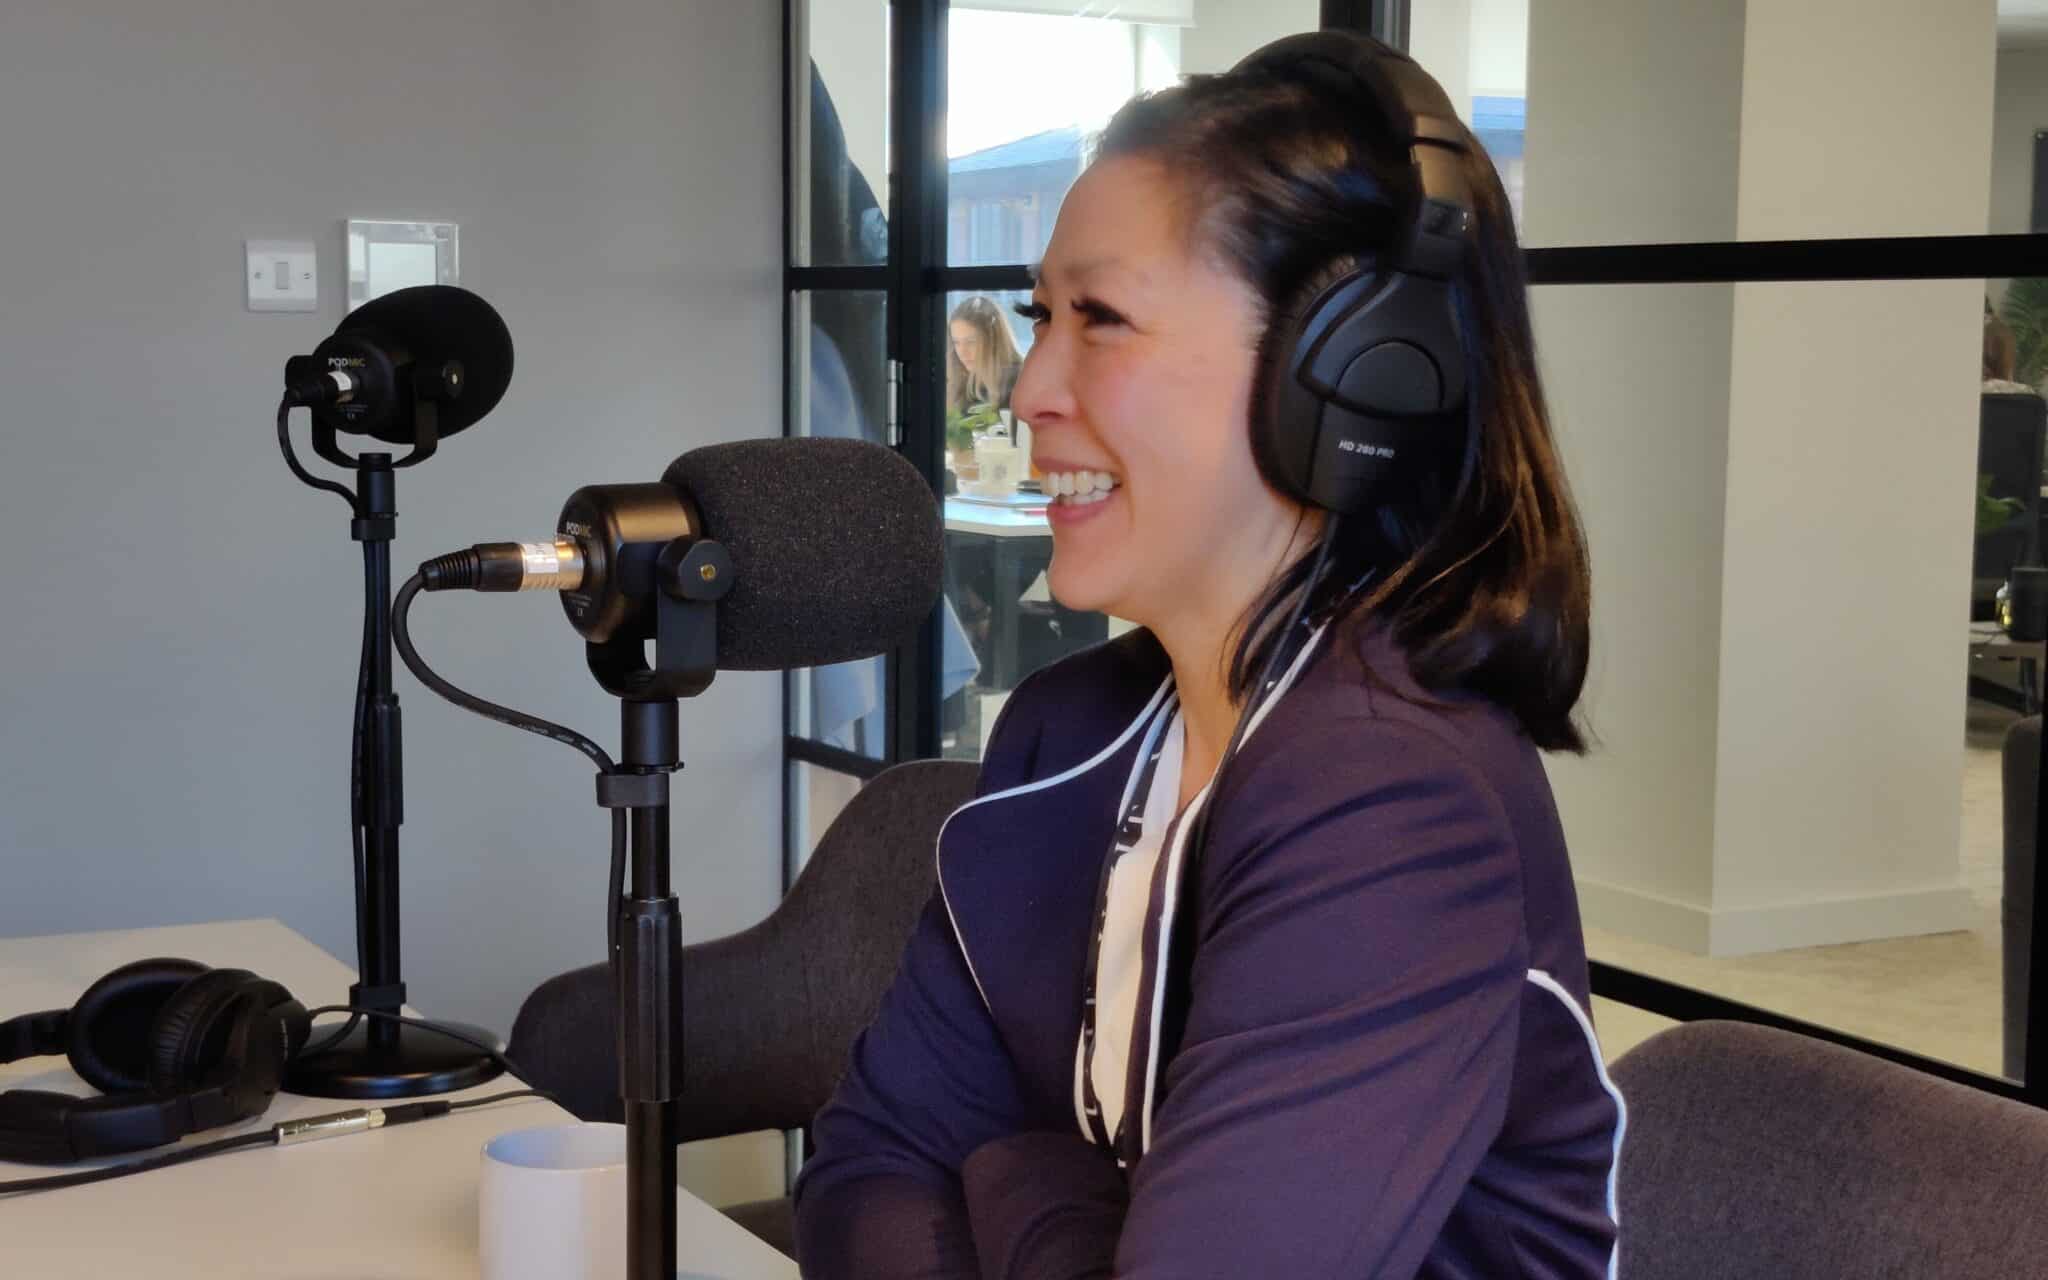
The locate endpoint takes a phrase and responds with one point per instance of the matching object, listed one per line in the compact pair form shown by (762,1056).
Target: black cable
(395,1114)
(181,1155)
(291,458)
(495,1054)
(507,1096)
(401,635)
(357,818)
(617,902)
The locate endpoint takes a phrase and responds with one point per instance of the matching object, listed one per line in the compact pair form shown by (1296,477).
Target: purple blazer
(1387,1068)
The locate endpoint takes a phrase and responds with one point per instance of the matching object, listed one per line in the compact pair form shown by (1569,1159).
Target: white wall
(1440,39)
(1852,414)
(1632,136)
(1777,678)
(2021,110)
(1500,47)
(180,645)
(1227,30)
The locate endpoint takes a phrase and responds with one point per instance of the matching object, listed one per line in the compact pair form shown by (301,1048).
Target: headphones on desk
(1370,374)
(173,1046)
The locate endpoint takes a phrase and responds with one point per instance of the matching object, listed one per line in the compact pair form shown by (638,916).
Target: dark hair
(1479,569)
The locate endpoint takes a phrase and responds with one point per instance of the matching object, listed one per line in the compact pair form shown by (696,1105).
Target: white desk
(393,1204)
(993,521)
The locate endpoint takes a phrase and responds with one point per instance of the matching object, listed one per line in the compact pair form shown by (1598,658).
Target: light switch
(281,275)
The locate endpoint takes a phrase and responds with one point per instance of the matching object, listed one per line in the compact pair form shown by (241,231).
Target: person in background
(981,358)
(2001,354)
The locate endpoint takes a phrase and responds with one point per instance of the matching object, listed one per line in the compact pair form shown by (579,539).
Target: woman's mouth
(1079,488)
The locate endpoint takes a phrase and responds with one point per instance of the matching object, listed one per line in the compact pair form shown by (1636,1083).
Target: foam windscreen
(433,324)
(837,547)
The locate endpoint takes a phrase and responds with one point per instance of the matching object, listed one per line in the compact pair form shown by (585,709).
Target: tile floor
(1937,995)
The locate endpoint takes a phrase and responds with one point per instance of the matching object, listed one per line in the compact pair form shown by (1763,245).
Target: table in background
(387,1204)
(1988,640)
(1018,541)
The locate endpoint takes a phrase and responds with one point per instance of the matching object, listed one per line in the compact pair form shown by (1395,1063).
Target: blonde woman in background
(982,358)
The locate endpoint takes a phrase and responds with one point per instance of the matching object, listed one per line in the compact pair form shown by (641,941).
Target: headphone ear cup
(1286,415)
(109,1028)
(190,1036)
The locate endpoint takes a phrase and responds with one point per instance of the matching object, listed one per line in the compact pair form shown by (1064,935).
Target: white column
(1775,478)
(1632,132)
(1851,458)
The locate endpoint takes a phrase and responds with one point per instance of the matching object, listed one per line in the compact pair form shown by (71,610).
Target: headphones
(174,1047)
(1369,376)
(1371,372)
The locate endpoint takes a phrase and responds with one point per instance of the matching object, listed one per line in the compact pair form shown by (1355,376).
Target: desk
(1018,542)
(392,1204)
(1988,640)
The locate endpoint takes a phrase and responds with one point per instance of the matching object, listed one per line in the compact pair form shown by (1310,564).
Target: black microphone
(835,549)
(434,343)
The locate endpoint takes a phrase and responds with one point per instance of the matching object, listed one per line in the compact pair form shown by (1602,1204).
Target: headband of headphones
(1419,118)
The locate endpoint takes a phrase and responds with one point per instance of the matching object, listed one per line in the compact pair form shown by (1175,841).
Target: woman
(1345,1034)
(981,357)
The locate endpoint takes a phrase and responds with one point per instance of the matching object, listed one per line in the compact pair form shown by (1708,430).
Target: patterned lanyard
(1130,828)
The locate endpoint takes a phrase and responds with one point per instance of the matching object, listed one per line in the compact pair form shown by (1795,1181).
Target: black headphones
(174,1047)
(1371,372)
(1370,376)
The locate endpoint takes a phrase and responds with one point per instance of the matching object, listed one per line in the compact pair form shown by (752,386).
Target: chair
(2020,783)
(2010,430)
(768,1014)
(1754,1152)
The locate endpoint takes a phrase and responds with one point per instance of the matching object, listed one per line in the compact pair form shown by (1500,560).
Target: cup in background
(551,1204)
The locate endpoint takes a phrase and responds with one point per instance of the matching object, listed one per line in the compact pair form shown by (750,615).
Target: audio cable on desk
(288,1133)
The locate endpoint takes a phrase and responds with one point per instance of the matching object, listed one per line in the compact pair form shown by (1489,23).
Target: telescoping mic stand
(689,575)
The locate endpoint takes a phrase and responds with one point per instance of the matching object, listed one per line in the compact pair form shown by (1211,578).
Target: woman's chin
(1082,590)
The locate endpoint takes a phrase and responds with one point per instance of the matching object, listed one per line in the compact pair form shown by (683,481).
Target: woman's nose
(1043,393)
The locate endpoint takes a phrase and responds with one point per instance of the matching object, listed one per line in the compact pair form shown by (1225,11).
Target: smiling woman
(1282,389)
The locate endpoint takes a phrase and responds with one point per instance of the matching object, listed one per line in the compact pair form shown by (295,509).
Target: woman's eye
(1035,312)
(1095,313)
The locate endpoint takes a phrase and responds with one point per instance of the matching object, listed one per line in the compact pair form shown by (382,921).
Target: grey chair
(769,1014)
(2021,787)
(1752,1152)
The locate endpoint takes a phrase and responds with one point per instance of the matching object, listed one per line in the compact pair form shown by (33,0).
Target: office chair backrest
(769,1013)
(1756,1152)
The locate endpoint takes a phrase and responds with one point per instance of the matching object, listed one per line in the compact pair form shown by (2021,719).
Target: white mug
(551,1204)
(996,460)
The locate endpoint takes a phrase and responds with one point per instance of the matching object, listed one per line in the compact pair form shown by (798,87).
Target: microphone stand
(380,1058)
(689,576)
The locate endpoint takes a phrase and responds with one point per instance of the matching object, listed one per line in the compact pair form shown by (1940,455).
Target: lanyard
(1129,831)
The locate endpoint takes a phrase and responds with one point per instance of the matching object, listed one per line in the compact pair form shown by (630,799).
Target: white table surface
(392,1204)
(995,521)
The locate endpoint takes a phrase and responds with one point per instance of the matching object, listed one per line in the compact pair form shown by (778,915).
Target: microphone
(832,550)
(433,343)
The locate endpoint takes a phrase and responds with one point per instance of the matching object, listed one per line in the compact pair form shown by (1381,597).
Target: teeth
(1079,487)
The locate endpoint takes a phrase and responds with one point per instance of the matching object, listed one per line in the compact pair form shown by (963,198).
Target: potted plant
(961,430)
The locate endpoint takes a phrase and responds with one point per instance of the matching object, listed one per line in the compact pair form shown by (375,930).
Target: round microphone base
(419,1063)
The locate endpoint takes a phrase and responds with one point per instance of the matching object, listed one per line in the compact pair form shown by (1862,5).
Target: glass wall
(1801,500)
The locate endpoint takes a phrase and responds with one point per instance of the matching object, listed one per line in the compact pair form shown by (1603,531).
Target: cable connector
(291,1133)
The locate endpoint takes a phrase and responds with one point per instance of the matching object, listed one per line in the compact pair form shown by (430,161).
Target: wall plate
(384,256)
(281,275)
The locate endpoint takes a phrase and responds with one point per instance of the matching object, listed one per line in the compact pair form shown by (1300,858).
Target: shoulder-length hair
(1480,568)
